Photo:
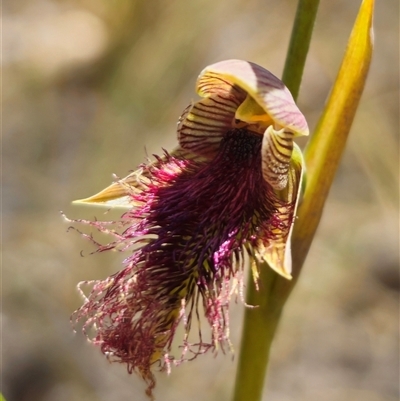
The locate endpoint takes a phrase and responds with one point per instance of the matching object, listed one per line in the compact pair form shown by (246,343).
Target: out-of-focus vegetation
(89,88)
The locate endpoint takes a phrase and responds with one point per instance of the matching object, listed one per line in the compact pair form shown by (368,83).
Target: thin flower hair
(229,192)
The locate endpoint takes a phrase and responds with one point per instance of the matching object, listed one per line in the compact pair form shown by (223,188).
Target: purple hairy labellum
(227,194)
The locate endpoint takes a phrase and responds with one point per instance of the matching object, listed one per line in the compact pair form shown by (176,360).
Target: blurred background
(90,86)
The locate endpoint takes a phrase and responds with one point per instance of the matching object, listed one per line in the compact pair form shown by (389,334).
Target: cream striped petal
(203,124)
(276,151)
(277,252)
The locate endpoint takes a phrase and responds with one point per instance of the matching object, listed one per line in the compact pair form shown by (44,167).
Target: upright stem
(299,45)
(261,322)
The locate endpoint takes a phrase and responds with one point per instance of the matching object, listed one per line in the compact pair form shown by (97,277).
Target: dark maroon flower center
(203,218)
(241,146)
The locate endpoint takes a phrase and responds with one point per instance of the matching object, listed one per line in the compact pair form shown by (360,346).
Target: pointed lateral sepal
(119,193)
(277,252)
(115,195)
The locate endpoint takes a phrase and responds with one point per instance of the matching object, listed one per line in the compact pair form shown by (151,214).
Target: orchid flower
(227,193)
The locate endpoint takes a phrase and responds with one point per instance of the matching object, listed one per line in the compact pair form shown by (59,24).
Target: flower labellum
(228,192)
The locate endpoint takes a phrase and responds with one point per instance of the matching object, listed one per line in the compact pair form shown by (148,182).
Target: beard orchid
(194,216)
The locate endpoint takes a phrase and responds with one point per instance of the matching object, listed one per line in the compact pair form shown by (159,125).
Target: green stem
(260,323)
(299,44)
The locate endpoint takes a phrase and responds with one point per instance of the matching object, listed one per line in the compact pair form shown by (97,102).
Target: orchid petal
(277,147)
(204,123)
(277,253)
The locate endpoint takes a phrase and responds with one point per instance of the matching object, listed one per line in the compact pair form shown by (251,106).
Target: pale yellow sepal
(118,194)
(278,258)
(114,195)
